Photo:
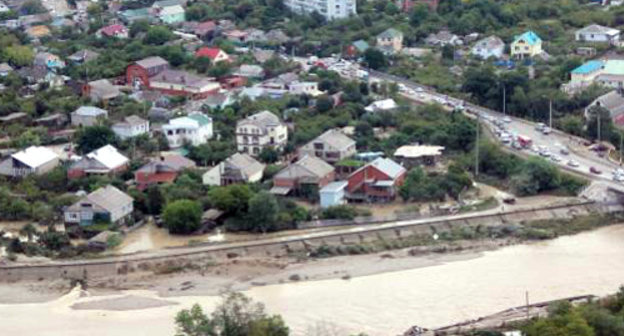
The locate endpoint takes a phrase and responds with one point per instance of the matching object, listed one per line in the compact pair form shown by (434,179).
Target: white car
(618,171)
(546,130)
(572,163)
(555,158)
(507,119)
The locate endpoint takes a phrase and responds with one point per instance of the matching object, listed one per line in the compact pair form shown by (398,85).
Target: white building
(491,46)
(382,106)
(131,127)
(195,128)
(88,116)
(333,194)
(32,160)
(261,130)
(330,9)
(308,88)
(597,33)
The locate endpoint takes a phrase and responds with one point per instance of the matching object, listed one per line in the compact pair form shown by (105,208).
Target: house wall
(48,166)
(213,176)
(144,179)
(252,143)
(329,199)
(136,74)
(125,132)
(85,121)
(121,212)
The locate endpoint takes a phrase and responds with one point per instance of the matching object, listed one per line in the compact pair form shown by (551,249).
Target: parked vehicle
(539,126)
(555,158)
(563,150)
(595,170)
(507,119)
(572,163)
(546,130)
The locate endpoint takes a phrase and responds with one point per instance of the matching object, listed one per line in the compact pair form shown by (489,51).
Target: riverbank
(322,262)
(441,290)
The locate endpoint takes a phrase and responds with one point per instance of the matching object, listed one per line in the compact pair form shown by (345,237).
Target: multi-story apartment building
(330,9)
(195,128)
(261,130)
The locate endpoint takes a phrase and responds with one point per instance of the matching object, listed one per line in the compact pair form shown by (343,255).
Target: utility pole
(550,113)
(598,117)
(504,100)
(477,147)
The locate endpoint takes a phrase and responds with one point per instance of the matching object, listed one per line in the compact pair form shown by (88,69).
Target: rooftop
(35,156)
(90,111)
(530,37)
(588,67)
(388,167)
(415,151)
(108,156)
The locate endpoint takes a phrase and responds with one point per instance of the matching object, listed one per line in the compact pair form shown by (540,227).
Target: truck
(524,141)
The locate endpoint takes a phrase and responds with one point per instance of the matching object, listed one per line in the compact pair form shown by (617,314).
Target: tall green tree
(182,216)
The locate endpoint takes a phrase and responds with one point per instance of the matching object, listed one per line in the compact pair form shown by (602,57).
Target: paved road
(552,142)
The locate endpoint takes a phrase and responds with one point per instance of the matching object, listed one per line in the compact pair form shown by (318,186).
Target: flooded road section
(382,304)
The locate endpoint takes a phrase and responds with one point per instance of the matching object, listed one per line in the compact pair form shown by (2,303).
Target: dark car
(595,170)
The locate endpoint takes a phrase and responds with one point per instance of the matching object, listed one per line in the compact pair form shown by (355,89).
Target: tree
(139,26)
(391,9)
(268,155)
(232,199)
(31,7)
(237,315)
(418,14)
(324,104)
(182,216)
(374,58)
(29,231)
(19,55)
(154,200)
(157,35)
(202,64)
(93,137)
(263,209)
(606,123)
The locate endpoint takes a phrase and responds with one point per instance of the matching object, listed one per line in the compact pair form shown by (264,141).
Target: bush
(339,212)
(182,216)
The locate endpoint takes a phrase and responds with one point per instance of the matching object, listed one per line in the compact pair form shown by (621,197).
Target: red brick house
(308,174)
(164,169)
(379,180)
(154,73)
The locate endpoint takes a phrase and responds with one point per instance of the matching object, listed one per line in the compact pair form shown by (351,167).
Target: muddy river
(382,304)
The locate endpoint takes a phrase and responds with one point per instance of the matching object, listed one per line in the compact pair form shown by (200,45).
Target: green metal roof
(201,119)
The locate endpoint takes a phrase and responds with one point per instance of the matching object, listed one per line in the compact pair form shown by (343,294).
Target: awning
(282,191)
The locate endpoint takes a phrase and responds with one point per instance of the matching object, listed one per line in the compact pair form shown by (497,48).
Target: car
(555,158)
(507,119)
(572,163)
(618,178)
(595,170)
(564,151)
(546,130)
(539,126)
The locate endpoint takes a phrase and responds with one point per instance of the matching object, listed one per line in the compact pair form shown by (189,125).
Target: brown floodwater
(382,304)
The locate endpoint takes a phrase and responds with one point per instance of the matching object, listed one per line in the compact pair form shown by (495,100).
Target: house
(598,34)
(195,128)
(357,48)
(378,180)
(390,41)
(35,160)
(171,14)
(384,105)
(100,90)
(215,54)
(205,29)
(131,127)
(614,103)
(331,146)
(49,60)
(164,169)
(250,71)
(153,73)
(235,35)
(105,205)
(39,31)
(261,130)
(414,155)
(238,168)
(609,73)
(53,121)
(88,116)
(115,30)
(83,56)
(255,35)
(130,16)
(491,46)
(526,45)
(262,56)
(443,38)
(307,88)
(103,161)
(34,74)
(333,194)
(219,100)
(277,36)
(5,69)
(308,175)
(330,9)
(407,5)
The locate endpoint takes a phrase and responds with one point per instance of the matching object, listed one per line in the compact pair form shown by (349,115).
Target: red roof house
(377,181)
(115,30)
(215,54)
(165,169)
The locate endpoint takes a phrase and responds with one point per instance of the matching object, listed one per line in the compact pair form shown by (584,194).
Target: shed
(333,194)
